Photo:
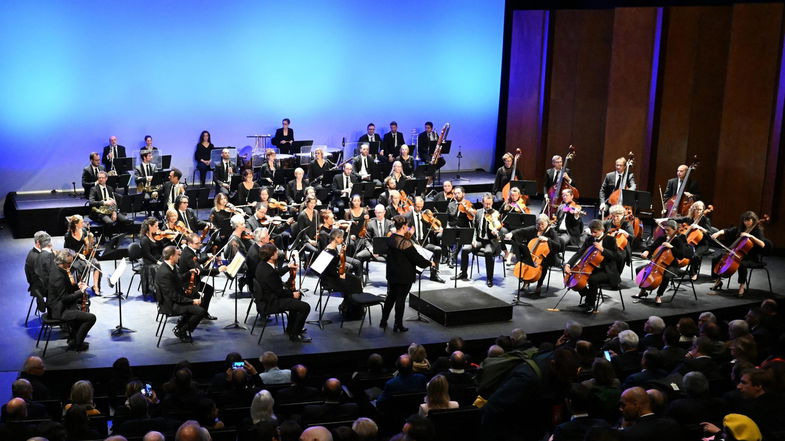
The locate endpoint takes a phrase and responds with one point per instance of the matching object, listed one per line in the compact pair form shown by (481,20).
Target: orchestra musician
(306,221)
(406,160)
(239,240)
(696,219)
(112,152)
(317,167)
(425,235)
(446,193)
(544,232)
(394,206)
(325,231)
(276,229)
(380,226)
(90,173)
(365,167)
(44,264)
(675,184)
(64,298)
(284,137)
(457,219)
(187,215)
(192,259)
(171,189)
(607,272)
(219,217)
(202,156)
(746,221)
(295,189)
(244,191)
(426,142)
(370,135)
(260,237)
(402,258)
(269,169)
(569,224)
(143,173)
(79,239)
(617,224)
(391,144)
(551,175)
(175,229)
(104,205)
(223,172)
(148,143)
(680,250)
(503,174)
(275,297)
(613,182)
(346,283)
(151,255)
(398,175)
(342,185)
(486,239)
(170,286)
(357,214)
(35,286)
(390,184)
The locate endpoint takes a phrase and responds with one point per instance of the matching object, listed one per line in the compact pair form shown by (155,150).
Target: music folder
(321,262)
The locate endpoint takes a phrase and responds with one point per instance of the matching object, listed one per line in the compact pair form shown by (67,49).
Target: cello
(731,259)
(539,250)
(506,188)
(650,276)
(579,275)
(695,232)
(617,198)
(554,193)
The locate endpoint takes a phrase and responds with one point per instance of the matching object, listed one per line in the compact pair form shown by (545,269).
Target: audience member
(419,358)
(82,393)
(706,317)
(138,421)
(578,404)
(688,330)
(333,409)
(181,402)
(262,407)
(272,373)
(586,354)
(735,427)
(652,336)
(442,363)
(643,424)
(760,404)
(316,433)
(22,388)
(366,429)
(299,391)
(628,361)
(611,342)
(77,425)
(604,391)
(651,370)
(672,353)
(437,396)
(33,371)
(571,334)
(405,381)
(696,407)
(698,359)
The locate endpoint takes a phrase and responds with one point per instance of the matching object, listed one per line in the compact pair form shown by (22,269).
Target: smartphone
(608,355)
(147,391)
(238,365)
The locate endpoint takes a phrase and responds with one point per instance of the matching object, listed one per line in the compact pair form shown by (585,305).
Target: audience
(272,373)
(652,337)
(333,409)
(299,390)
(33,371)
(437,396)
(628,361)
(406,380)
(262,407)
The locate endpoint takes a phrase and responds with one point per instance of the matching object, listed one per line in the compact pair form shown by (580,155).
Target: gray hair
(573,329)
(365,428)
(518,335)
(64,256)
(695,384)
(737,328)
(262,407)
(237,220)
(621,325)
(656,324)
(543,218)
(260,233)
(42,238)
(708,315)
(628,339)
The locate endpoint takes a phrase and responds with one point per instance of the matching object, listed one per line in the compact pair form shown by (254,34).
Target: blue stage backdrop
(76,72)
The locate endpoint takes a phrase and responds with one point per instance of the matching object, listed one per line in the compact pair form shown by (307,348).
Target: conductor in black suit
(169,284)
(276,297)
(607,272)
(675,185)
(552,174)
(112,152)
(222,173)
(90,173)
(613,182)
(284,137)
(65,298)
(402,260)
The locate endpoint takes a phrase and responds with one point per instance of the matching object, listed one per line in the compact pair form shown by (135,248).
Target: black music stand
(520,220)
(166,161)
(523,255)
(527,188)
(295,146)
(234,182)
(120,181)
(457,237)
(123,165)
(636,199)
(380,246)
(254,195)
(365,189)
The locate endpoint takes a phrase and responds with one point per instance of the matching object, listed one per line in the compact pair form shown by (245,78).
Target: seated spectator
(611,342)
(706,317)
(672,353)
(771,318)
(644,425)
(737,328)
(604,391)
(82,393)
(33,371)
(191,431)
(495,351)
(15,428)
(120,376)
(698,359)
(652,336)
(368,383)
(298,391)
(138,421)
(762,335)
(262,407)
(519,339)
(265,431)
(743,349)
(457,374)
(442,363)
(316,433)
(405,381)
(760,404)
(571,334)
(416,428)
(238,391)
(289,430)
(437,396)
(77,425)
(344,433)
(689,332)
(182,401)
(154,435)
(658,399)
(22,388)
(651,370)
(713,332)
(696,407)
(332,409)
(419,358)
(578,404)
(585,351)
(220,379)
(366,429)
(735,427)
(272,373)
(207,414)
(628,361)
(133,387)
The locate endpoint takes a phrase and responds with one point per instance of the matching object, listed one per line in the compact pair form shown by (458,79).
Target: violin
(430,218)
(591,259)
(731,259)
(164,234)
(405,205)
(573,208)
(492,217)
(364,228)
(89,244)
(272,204)
(189,290)
(342,260)
(466,207)
(539,250)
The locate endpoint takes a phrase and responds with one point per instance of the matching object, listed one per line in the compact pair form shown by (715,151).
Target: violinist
(219,217)
(310,192)
(273,296)
(270,168)
(398,175)
(395,204)
(365,167)
(607,272)
(569,224)
(295,189)
(187,215)
(151,255)
(515,204)
(678,246)
(612,182)
(260,237)
(503,174)
(345,283)
(223,172)
(244,191)
(359,247)
(79,239)
(428,235)
(446,194)
(487,226)
(342,185)
(276,227)
(675,184)
(380,226)
(64,297)
(457,218)
(307,221)
(406,160)
(317,167)
(175,228)
(544,233)
(696,219)
(390,184)
(191,261)
(618,225)
(552,174)
(750,227)
(240,238)
(170,285)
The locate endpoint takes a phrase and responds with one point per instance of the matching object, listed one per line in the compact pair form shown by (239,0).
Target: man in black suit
(222,173)
(379,225)
(696,407)
(651,370)
(370,136)
(103,197)
(391,145)
(342,185)
(613,182)
(90,173)
(191,260)
(332,409)
(628,361)
(578,403)
(171,189)
(569,223)
(699,359)
(607,272)
(276,297)
(552,174)
(425,235)
(486,239)
(112,152)
(672,353)
(425,141)
(298,391)
(365,167)
(65,298)
(675,185)
(187,215)
(35,285)
(169,285)
(646,426)
(143,173)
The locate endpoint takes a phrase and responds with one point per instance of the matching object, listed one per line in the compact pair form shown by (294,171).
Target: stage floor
(212,341)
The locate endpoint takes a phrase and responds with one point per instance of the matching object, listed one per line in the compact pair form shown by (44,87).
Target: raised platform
(460,306)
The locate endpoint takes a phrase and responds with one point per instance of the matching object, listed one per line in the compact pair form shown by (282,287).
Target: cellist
(748,220)
(678,246)
(697,220)
(544,233)
(607,272)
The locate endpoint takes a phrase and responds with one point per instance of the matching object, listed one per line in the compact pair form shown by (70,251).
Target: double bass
(513,177)
(731,259)
(617,197)
(678,204)
(554,193)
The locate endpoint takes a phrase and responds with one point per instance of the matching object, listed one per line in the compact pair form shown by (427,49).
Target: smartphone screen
(238,364)
(608,355)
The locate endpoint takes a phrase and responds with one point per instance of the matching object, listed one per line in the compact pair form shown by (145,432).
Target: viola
(579,275)
(731,259)
(273,204)
(342,260)
(165,234)
(430,218)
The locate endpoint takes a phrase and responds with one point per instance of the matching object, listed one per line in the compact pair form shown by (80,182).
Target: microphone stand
(74,195)
(458,174)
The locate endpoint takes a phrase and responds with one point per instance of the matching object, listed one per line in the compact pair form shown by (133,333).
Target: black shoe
(399,328)
(436,278)
(178,332)
(641,295)
(79,347)
(451,264)
(489,283)
(300,338)
(461,276)
(383,324)
(210,317)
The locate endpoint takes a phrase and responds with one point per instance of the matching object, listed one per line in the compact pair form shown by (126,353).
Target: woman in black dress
(747,228)
(406,160)
(697,220)
(317,167)
(151,254)
(80,239)
(219,217)
(284,137)
(202,155)
(295,189)
(269,169)
(244,192)
(307,221)
(398,175)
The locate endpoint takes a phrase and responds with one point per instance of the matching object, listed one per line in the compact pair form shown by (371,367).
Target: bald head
(657,399)
(23,389)
(33,366)
(154,436)
(116,438)
(16,408)
(634,402)
(189,431)
(316,433)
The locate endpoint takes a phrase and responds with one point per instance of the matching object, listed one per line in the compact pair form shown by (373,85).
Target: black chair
(135,257)
(397,408)
(99,423)
(366,301)
(47,323)
(54,408)
(286,410)
(224,435)
(452,424)
(758,265)
(29,309)
(601,297)
(165,313)
(233,416)
(332,425)
(480,253)
(263,312)
(682,274)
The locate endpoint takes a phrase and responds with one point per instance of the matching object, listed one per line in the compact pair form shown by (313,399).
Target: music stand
(231,271)
(158,178)
(114,280)
(636,199)
(428,255)
(215,155)
(120,181)
(318,266)
(520,220)
(380,246)
(523,255)
(234,182)
(283,176)
(254,195)
(457,237)
(166,161)
(527,188)
(297,146)
(123,165)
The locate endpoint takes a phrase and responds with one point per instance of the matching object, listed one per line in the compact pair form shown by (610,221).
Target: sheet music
(426,254)
(235,264)
(322,261)
(118,272)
